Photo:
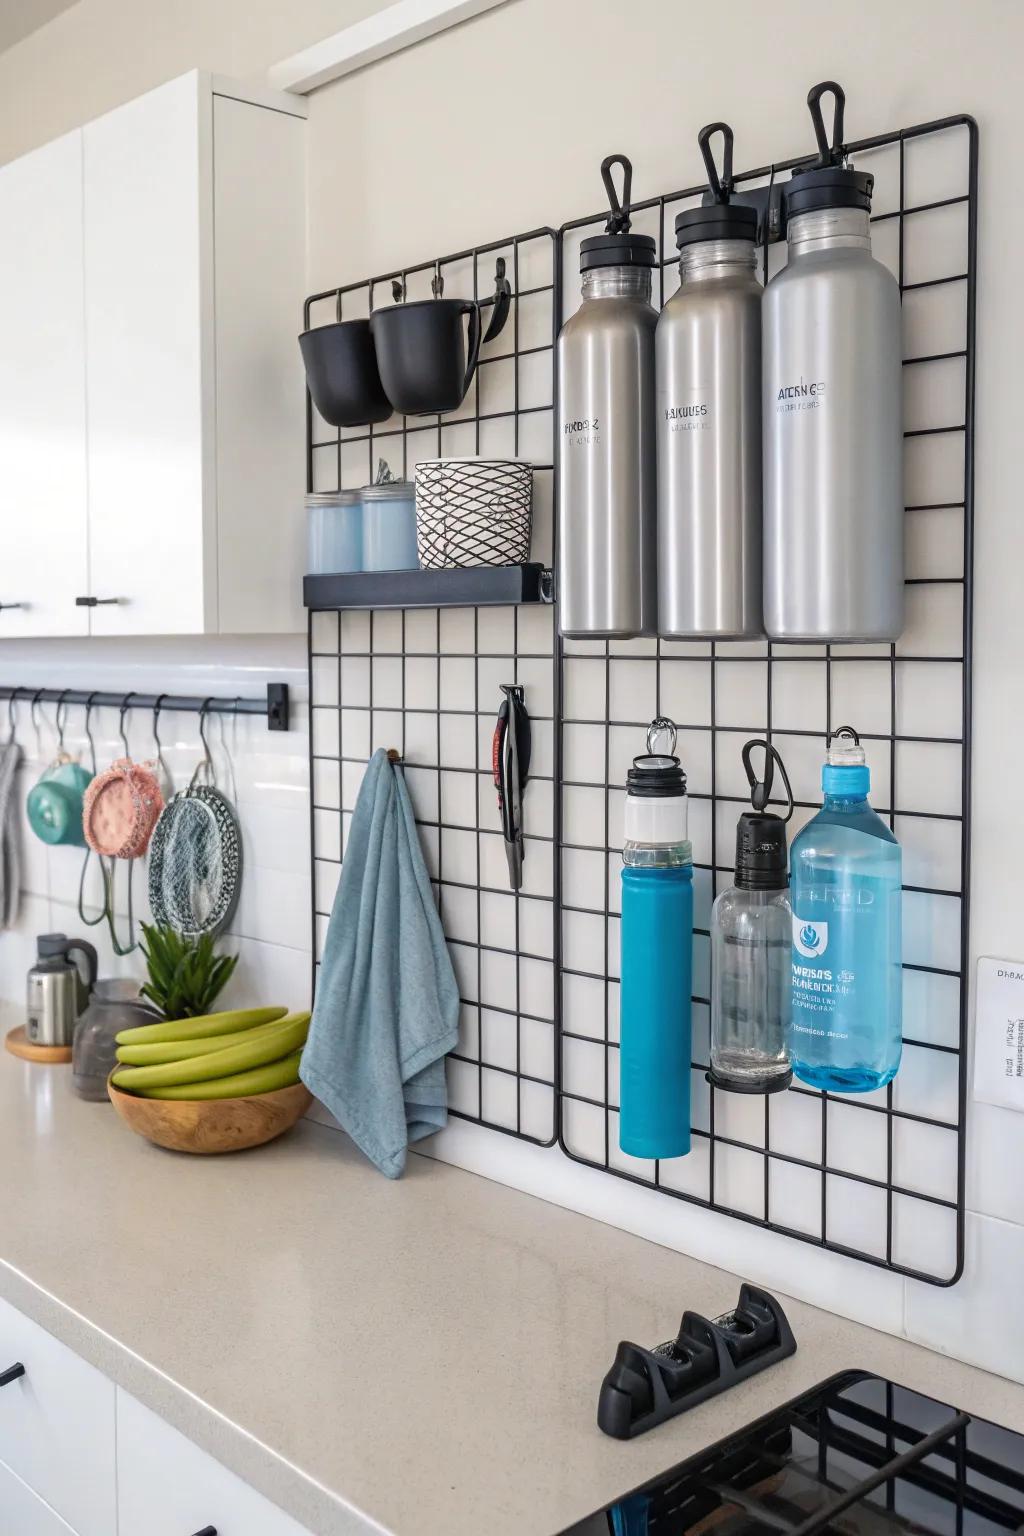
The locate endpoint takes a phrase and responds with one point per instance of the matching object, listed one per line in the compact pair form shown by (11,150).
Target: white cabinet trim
(375,37)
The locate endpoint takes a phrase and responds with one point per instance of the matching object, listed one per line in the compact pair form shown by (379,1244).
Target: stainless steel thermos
(708,347)
(833,487)
(607,505)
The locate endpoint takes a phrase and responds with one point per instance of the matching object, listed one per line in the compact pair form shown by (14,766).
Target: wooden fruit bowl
(212,1125)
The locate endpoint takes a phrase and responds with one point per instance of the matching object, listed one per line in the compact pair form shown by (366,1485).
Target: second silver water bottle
(708,349)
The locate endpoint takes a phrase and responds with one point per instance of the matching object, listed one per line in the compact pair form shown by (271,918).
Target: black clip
(618,219)
(647,1386)
(761,789)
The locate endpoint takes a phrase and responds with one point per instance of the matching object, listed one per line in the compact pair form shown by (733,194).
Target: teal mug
(54,803)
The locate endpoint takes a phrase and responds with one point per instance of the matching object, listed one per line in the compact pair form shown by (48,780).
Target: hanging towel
(10,835)
(387,1002)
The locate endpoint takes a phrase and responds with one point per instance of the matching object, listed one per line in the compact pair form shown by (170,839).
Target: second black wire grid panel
(880,1178)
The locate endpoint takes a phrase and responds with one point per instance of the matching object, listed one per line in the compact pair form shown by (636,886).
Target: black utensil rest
(645,1387)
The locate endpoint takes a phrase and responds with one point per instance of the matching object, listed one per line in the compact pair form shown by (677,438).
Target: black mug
(341,371)
(425,364)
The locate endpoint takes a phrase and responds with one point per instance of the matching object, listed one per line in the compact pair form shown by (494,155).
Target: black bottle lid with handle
(827,182)
(721,218)
(762,853)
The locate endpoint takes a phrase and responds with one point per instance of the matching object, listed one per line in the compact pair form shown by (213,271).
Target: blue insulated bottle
(657,942)
(846,874)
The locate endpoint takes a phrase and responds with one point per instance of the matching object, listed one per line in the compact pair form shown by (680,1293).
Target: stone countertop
(420,1356)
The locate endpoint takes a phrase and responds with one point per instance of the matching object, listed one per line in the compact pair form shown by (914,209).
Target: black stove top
(857,1456)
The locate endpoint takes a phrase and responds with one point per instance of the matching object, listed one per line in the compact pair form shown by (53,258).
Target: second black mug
(426,364)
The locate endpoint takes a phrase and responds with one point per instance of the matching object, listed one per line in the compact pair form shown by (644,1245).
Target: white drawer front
(57,1426)
(23,1514)
(167,1486)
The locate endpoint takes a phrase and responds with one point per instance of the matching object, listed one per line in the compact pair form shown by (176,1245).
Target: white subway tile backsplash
(974,1320)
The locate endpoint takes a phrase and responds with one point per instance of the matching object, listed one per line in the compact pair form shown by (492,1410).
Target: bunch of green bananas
(218,1056)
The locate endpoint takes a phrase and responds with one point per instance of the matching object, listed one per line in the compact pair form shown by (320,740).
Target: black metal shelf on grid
(879,1178)
(359,298)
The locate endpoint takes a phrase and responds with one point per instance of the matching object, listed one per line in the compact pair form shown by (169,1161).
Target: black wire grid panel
(426,683)
(879,1177)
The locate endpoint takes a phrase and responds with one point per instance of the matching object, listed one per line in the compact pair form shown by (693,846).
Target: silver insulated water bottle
(708,348)
(833,438)
(607,506)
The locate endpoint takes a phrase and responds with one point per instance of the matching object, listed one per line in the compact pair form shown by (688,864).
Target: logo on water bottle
(810,939)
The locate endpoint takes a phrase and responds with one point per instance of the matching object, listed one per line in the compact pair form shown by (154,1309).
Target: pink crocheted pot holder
(120,810)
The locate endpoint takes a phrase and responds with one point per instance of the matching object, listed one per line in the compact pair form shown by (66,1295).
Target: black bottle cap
(617,250)
(762,857)
(716,221)
(49,945)
(831,186)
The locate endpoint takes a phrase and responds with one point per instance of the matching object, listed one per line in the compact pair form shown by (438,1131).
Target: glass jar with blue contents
(334,532)
(389,526)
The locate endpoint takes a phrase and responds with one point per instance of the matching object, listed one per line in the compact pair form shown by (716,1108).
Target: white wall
(500,125)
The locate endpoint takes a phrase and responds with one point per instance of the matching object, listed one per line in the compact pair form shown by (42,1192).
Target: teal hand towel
(387,1002)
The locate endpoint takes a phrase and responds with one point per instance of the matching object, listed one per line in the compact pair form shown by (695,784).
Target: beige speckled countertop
(422,1356)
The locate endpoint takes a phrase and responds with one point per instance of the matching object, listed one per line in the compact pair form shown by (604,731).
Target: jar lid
(333,498)
(391,490)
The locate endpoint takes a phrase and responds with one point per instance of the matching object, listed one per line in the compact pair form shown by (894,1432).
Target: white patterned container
(473,512)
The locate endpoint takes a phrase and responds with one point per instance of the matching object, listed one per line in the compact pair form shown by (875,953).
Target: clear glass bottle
(751,938)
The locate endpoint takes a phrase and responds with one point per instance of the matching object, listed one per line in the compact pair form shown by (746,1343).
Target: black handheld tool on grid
(510,762)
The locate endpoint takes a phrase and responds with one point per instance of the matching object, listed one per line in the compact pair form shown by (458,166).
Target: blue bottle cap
(845,770)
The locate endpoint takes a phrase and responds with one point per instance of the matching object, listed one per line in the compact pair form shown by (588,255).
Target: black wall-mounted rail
(275,706)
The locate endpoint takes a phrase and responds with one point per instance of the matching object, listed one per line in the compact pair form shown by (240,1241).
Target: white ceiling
(18,18)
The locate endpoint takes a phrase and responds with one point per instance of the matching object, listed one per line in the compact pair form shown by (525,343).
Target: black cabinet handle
(94,602)
(12,605)
(12,1373)
(207,1530)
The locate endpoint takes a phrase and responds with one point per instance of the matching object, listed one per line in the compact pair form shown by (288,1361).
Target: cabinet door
(166,1486)
(25,1514)
(57,1427)
(43,526)
(148,275)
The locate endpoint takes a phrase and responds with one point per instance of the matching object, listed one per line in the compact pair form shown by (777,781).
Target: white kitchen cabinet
(194,257)
(24,1513)
(169,1487)
(57,1430)
(43,527)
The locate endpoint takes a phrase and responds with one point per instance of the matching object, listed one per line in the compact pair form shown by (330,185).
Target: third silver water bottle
(708,348)
(607,508)
(833,441)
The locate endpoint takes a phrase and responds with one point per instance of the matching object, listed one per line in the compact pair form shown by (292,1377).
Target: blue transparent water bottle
(846,873)
(655,1046)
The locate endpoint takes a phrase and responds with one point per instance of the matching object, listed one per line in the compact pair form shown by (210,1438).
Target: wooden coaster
(19,1044)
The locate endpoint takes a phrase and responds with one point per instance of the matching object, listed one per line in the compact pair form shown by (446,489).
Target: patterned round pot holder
(195,857)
